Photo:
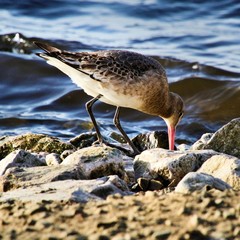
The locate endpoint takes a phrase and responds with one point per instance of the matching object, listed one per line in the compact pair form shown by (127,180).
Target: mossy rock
(32,142)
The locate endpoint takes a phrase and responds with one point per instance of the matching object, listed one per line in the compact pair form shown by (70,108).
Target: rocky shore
(52,189)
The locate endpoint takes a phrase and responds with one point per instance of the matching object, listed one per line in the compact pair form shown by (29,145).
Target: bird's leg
(89,105)
(125,136)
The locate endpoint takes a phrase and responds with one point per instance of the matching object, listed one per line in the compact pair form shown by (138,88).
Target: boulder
(19,158)
(69,190)
(150,140)
(84,140)
(195,181)
(24,177)
(33,142)
(97,161)
(169,167)
(225,167)
(225,140)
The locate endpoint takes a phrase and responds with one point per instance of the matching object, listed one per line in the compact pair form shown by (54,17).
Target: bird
(121,78)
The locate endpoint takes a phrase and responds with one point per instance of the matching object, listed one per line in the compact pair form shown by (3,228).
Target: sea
(196,41)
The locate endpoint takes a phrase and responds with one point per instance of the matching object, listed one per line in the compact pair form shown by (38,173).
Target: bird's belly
(118,99)
(94,88)
(109,95)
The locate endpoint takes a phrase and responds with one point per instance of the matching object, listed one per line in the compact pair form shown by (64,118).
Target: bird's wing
(103,66)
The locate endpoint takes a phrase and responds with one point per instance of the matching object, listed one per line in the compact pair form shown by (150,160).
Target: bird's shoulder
(112,63)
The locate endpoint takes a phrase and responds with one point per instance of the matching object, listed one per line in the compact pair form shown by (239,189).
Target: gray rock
(183,147)
(169,166)
(53,159)
(24,177)
(202,141)
(19,158)
(33,142)
(98,161)
(128,167)
(150,140)
(225,167)
(41,156)
(69,190)
(225,140)
(195,181)
(84,140)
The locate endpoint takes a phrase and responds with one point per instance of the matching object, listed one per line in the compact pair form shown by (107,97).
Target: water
(196,41)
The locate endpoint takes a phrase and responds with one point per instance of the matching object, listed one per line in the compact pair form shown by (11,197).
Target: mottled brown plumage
(123,79)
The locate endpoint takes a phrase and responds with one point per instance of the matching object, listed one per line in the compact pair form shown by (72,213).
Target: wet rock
(194,181)
(84,140)
(53,159)
(24,177)
(225,140)
(149,140)
(33,142)
(169,167)
(225,167)
(19,158)
(69,190)
(98,161)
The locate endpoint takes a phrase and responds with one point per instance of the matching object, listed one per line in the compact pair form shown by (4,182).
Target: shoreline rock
(98,192)
(46,160)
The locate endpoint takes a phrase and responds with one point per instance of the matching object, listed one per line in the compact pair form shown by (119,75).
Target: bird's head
(175,113)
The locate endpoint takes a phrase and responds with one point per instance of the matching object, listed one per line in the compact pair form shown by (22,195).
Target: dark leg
(89,105)
(125,136)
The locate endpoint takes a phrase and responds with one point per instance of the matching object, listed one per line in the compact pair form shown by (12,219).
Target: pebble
(168,222)
(229,214)
(164,234)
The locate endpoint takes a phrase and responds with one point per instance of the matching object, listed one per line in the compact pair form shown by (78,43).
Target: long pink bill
(171,137)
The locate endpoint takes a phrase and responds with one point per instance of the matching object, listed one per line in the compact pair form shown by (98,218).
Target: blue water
(196,41)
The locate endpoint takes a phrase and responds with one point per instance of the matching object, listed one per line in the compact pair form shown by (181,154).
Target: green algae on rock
(32,142)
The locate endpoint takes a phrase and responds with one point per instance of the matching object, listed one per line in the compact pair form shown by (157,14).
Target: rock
(96,161)
(202,141)
(19,158)
(53,159)
(112,185)
(41,156)
(183,147)
(84,140)
(194,181)
(156,139)
(66,153)
(128,168)
(225,140)
(69,190)
(224,167)
(24,177)
(169,167)
(33,142)
(151,185)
